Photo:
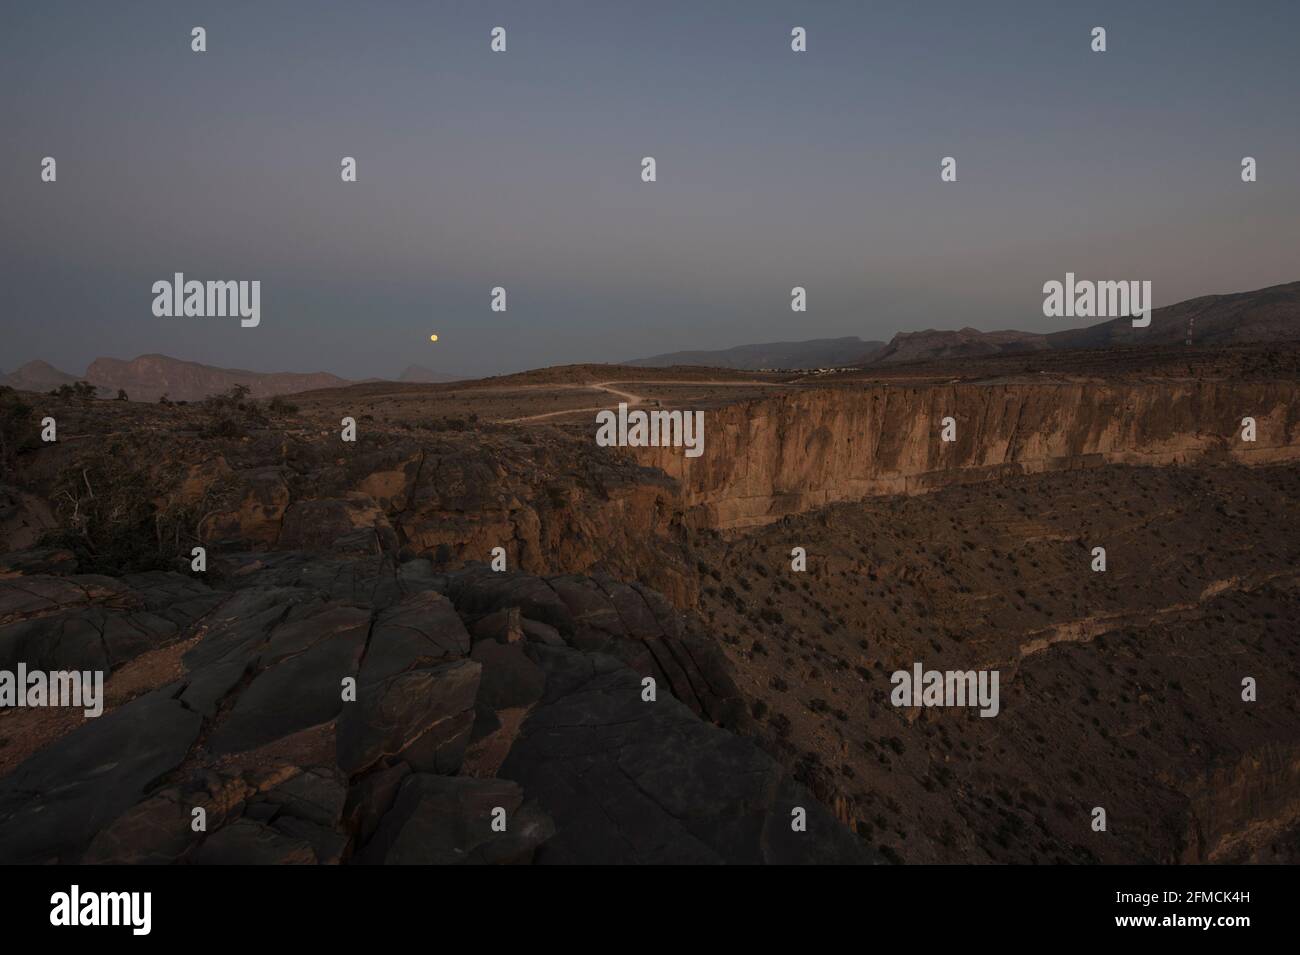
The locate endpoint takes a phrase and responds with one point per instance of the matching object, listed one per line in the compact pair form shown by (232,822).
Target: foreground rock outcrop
(329,710)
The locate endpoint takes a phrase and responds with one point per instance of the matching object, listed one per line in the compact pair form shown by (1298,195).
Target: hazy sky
(522,170)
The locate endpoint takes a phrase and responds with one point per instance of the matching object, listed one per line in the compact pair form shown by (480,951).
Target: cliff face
(782,455)
(558,504)
(553,507)
(550,513)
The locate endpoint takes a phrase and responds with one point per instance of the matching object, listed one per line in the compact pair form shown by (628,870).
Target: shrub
(231,414)
(18,430)
(225,426)
(80,390)
(108,519)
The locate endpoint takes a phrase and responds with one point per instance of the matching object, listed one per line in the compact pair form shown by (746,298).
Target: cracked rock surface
(322,710)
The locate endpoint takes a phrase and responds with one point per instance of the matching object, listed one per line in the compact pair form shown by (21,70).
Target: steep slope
(1263,315)
(1119,689)
(766,458)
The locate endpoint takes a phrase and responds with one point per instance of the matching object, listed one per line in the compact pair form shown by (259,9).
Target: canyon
(1118,689)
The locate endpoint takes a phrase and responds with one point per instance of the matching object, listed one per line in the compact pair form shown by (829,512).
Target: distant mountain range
(149,377)
(816,353)
(419,373)
(37,376)
(963,343)
(1264,315)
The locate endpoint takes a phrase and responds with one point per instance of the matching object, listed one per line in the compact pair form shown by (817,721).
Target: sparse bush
(108,518)
(225,426)
(18,431)
(79,390)
(232,400)
(232,416)
(448,424)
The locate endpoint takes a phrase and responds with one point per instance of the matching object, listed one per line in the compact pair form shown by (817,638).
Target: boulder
(428,711)
(441,820)
(56,801)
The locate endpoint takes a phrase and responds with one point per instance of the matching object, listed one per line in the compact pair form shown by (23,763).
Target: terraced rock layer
(801,450)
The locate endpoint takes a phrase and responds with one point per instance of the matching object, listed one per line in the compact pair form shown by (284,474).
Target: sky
(523,170)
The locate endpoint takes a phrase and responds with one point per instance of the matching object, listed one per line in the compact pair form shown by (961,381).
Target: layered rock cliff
(792,452)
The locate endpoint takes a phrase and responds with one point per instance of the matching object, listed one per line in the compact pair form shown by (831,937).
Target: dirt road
(630,398)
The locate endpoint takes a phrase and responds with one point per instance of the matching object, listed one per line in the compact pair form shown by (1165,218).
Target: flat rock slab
(421,630)
(550,681)
(246,842)
(443,820)
(299,691)
(22,597)
(629,781)
(431,707)
(55,802)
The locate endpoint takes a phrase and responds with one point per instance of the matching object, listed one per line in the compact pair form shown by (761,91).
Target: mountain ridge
(1267,314)
(151,376)
(1270,314)
(811,353)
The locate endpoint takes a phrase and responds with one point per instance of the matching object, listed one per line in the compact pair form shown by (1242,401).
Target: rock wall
(781,455)
(553,507)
